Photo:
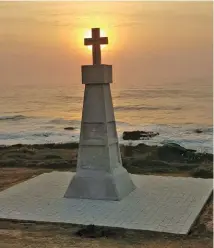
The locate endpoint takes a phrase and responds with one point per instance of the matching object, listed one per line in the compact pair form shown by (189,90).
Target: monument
(100,174)
(92,195)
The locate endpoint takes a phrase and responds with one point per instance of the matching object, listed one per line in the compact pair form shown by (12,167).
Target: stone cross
(96,41)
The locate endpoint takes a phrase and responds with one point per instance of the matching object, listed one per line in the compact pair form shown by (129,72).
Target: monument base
(161,204)
(99,185)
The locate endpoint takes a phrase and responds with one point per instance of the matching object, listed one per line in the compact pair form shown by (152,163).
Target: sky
(162,42)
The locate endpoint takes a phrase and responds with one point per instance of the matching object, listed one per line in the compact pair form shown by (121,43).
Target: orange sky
(42,42)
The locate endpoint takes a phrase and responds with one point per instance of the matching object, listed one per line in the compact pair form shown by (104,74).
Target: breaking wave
(138,107)
(13,117)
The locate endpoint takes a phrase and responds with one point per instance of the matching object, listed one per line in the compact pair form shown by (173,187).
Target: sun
(88,35)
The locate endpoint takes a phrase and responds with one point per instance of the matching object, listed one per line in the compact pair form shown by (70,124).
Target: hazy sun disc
(88,35)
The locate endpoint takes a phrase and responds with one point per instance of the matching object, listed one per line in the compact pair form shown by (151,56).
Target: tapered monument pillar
(100,174)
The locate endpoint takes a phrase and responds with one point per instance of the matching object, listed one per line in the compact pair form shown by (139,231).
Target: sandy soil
(37,235)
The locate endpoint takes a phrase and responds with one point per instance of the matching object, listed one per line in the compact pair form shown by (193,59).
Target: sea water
(38,114)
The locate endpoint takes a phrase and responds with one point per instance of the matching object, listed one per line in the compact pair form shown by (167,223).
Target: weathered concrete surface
(100,174)
(97,74)
(163,204)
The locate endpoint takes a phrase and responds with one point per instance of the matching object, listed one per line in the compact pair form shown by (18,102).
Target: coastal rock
(138,135)
(198,130)
(69,128)
(174,152)
(177,147)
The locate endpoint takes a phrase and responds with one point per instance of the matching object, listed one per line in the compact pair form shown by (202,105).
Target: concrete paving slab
(162,204)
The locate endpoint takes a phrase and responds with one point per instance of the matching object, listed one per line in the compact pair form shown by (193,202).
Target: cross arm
(88,42)
(103,40)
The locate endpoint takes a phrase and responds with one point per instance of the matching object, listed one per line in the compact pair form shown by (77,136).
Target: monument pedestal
(100,174)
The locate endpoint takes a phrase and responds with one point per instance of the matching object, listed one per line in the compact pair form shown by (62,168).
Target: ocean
(162,60)
(38,114)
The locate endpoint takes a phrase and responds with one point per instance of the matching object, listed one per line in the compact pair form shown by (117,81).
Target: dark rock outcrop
(198,130)
(174,152)
(69,128)
(138,135)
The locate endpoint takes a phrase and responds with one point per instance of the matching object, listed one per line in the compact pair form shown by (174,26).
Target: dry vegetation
(19,163)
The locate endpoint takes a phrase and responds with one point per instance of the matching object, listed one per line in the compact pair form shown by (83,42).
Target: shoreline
(59,130)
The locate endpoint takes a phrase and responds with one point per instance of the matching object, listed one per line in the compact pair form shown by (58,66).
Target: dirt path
(37,235)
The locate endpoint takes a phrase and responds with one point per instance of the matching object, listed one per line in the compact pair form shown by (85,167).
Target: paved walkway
(163,204)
